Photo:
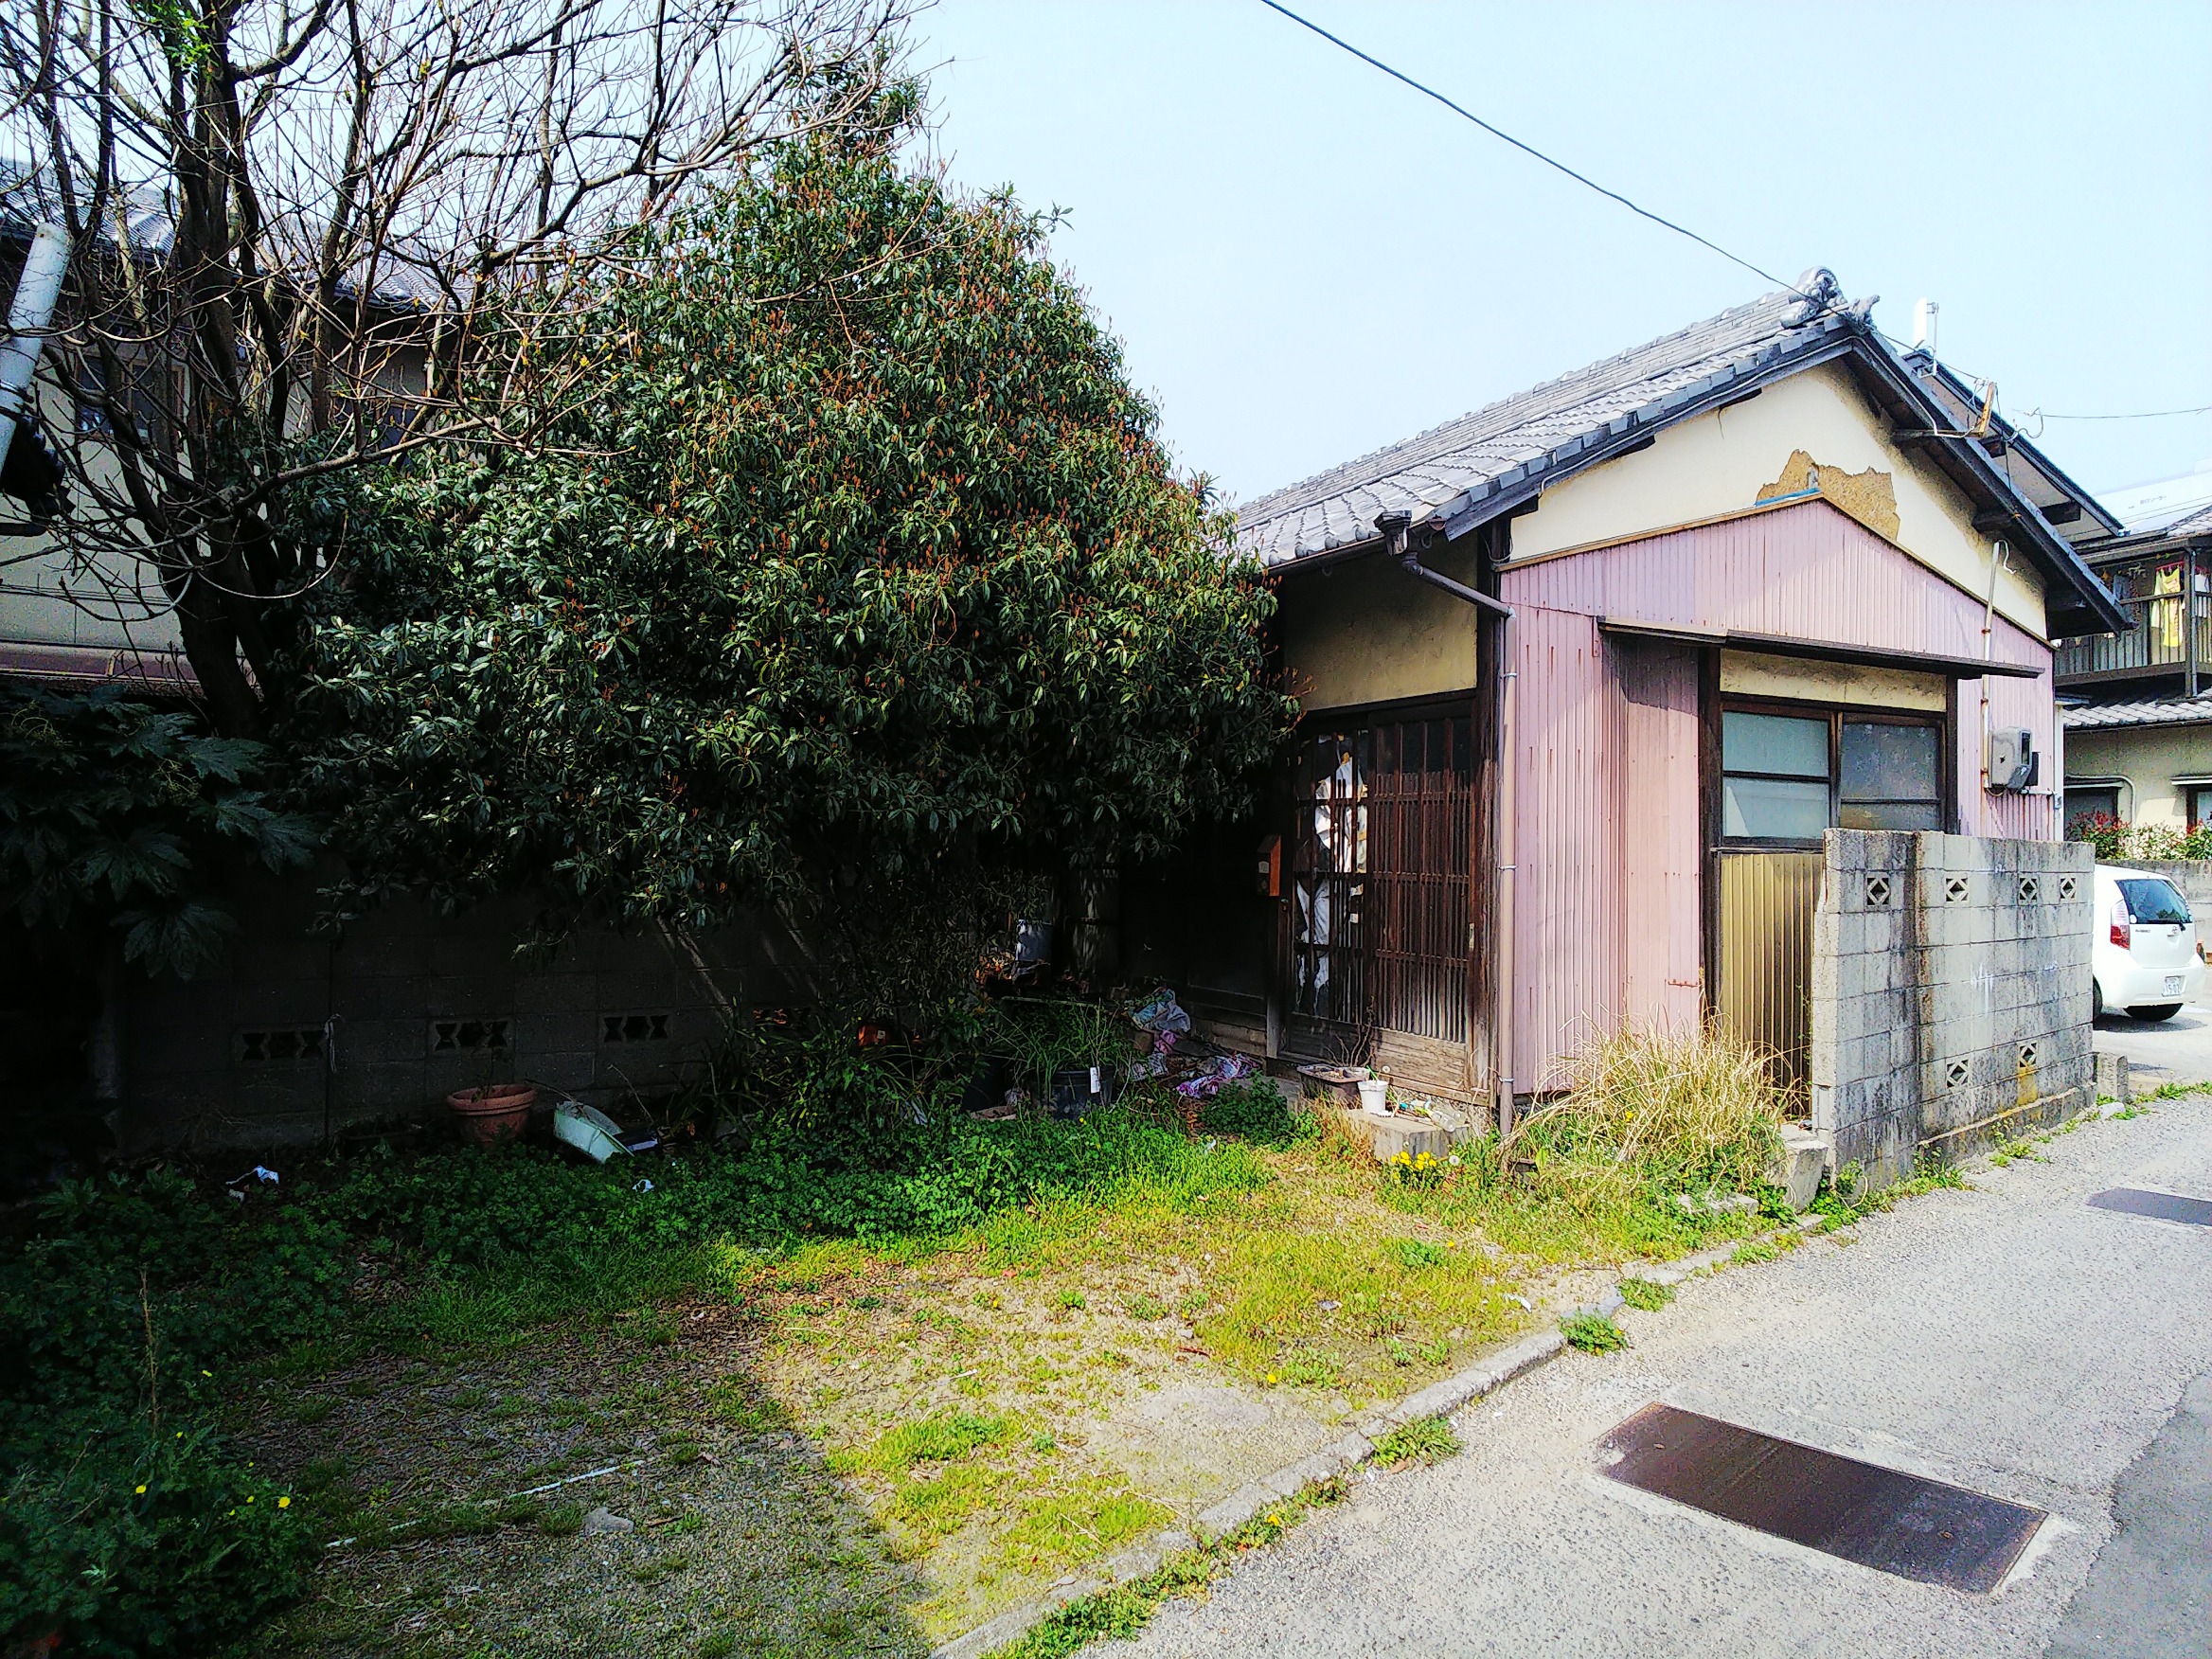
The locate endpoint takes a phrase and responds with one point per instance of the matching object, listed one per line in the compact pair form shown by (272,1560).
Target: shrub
(1255,1111)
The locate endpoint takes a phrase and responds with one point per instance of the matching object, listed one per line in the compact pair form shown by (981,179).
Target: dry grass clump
(1696,1104)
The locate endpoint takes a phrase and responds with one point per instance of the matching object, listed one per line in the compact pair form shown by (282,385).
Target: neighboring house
(2139,733)
(1765,576)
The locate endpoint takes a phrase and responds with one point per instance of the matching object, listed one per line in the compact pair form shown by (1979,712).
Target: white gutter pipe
(1395,526)
(37,291)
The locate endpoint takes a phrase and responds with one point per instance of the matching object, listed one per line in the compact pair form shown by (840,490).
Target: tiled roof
(1498,447)
(2147,711)
(2197,523)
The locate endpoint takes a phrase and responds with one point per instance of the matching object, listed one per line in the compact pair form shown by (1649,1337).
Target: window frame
(1835,714)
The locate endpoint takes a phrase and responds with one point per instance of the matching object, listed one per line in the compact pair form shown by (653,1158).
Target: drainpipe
(1997,555)
(37,291)
(1395,528)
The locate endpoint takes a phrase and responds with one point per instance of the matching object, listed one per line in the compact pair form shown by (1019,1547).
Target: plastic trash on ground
(1228,1069)
(1161,1013)
(589,1130)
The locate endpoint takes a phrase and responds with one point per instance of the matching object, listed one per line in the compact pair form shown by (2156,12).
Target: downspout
(1395,528)
(38,290)
(1997,553)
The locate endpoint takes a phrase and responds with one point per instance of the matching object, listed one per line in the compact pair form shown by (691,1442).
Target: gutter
(1395,528)
(38,290)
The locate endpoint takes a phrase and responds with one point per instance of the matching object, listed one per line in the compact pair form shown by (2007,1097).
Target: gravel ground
(2005,1338)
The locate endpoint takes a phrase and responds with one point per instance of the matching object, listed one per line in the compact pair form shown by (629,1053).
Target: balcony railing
(2159,641)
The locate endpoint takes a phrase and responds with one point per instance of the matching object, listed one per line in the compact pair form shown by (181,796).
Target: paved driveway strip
(2010,1340)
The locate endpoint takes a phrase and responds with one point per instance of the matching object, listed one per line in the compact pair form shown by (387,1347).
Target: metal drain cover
(1880,1518)
(2164,1206)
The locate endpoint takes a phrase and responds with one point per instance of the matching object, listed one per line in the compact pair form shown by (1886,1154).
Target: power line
(1529,149)
(2139,415)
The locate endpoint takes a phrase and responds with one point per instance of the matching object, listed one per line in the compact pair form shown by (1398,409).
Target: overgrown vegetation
(121,819)
(1288,1258)
(856,574)
(137,1304)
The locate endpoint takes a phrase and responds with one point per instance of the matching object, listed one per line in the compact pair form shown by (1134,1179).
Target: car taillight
(2123,924)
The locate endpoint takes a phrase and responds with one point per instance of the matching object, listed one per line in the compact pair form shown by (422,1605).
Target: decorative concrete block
(1388,1137)
(1798,1164)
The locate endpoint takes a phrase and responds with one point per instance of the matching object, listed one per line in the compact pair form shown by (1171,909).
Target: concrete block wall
(408,1005)
(1951,993)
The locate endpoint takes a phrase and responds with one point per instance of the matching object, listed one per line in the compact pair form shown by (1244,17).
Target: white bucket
(1375,1097)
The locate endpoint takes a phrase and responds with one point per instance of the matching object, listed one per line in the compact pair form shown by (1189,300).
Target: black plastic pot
(1080,1089)
(986,1088)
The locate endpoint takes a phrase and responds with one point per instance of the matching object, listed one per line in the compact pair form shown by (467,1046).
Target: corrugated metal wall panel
(1658,832)
(1804,572)
(1765,956)
(1567,908)
(2012,702)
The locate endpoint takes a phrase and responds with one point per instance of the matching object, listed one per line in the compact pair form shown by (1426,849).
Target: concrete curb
(1252,1500)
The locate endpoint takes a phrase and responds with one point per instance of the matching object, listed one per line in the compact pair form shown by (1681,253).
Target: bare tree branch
(304,227)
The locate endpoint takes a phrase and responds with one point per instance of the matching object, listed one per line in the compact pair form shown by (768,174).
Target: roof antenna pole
(1924,315)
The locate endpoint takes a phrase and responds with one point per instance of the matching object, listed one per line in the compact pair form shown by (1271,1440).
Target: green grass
(943,1438)
(1647,1295)
(1754,1250)
(1594,1333)
(1121,1613)
(1426,1441)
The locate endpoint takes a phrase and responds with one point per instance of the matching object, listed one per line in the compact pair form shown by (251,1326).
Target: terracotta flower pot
(495,1113)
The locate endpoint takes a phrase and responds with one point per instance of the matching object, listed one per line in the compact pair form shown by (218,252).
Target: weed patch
(1647,1295)
(1594,1333)
(1426,1441)
(1123,1611)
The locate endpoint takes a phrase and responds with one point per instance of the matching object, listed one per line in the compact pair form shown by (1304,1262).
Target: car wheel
(2095,1000)
(2157,1011)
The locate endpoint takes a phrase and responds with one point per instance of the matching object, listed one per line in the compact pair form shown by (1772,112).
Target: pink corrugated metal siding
(2012,702)
(1606,743)
(1657,831)
(1806,572)
(1567,902)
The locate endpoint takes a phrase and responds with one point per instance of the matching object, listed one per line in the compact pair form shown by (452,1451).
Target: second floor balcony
(2170,641)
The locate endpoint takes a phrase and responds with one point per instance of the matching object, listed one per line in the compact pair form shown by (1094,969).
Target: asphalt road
(2162,1051)
(2007,1339)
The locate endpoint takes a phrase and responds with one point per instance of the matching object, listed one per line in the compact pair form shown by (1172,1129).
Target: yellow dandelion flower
(141,1489)
(1274,1376)
(284,1502)
(1275,1520)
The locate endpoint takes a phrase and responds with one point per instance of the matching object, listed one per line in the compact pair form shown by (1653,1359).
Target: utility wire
(2139,415)
(1530,148)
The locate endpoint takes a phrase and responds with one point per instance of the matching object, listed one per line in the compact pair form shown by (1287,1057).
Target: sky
(1307,260)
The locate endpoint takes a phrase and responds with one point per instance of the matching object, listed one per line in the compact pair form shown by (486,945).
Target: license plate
(2173,985)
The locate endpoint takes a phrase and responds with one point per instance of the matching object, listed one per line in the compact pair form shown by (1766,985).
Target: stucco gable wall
(1722,462)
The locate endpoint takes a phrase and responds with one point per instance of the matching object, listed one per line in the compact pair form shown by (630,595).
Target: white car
(2145,956)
